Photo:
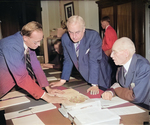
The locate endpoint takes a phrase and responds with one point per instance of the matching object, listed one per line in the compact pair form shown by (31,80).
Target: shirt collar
(126,66)
(25,47)
(107,27)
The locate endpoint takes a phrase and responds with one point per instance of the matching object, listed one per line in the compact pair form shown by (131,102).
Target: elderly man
(19,64)
(82,48)
(133,77)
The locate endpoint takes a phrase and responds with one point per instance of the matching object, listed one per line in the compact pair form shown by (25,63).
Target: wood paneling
(128,19)
(124,17)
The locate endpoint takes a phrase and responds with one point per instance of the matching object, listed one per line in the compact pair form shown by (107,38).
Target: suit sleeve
(41,78)
(67,64)
(15,60)
(95,56)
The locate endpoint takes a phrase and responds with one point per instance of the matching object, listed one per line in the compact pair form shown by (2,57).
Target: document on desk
(14,101)
(52,78)
(28,120)
(12,95)
(12,115)
(30,110)
(127,110)
(41,108)
(52,73)
(113,102)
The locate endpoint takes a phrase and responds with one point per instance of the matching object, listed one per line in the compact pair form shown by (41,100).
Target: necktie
(29,67)
(77,49)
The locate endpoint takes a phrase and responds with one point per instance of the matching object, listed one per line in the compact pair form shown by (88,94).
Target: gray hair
(76,19)
(125,43)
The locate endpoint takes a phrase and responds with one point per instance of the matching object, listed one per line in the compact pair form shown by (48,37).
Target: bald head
(124,43)
(122,51)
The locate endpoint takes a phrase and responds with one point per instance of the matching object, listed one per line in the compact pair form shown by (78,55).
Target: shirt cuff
(115,85)
(94,85)
(43,94)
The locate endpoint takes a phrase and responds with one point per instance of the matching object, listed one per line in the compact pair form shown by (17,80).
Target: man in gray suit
(133,77)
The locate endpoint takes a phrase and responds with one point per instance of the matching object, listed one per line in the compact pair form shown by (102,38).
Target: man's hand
(59,83)
(54,99)
(107,95)
(53,91)
(94,90)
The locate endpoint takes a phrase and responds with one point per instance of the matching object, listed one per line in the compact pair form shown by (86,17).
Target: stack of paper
(79,106)
(95,116)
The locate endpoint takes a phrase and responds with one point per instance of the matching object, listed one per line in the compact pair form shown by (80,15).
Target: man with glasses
(19,65)
(133,77)
(82,48)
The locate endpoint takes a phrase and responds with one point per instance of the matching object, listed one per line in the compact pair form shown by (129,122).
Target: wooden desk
(54,117)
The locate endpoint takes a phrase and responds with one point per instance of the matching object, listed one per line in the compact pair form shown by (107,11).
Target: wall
(53,13)
(147,30)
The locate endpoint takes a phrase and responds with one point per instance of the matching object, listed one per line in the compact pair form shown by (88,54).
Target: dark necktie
(29,67)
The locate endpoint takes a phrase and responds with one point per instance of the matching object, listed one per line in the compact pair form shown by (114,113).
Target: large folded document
(95,116)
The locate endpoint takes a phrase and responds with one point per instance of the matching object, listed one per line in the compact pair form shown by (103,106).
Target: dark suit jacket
(92,63)
(139,74)
(13,68)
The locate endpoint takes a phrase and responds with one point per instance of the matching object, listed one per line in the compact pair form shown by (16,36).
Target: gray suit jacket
(139,75)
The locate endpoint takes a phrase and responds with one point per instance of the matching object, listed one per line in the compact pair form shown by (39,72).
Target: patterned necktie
(29,67)
(77,49)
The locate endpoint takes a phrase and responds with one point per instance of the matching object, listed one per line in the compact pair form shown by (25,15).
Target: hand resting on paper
(54,99)
(94,90)
(107,95)
(53,92)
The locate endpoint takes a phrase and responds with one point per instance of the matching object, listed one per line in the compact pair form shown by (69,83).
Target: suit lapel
(72,53)
(82,48)
(131,71)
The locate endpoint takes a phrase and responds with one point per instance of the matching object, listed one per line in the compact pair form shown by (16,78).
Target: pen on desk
(25,110)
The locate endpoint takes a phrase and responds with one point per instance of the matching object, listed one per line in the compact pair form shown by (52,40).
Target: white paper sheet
(13,94)
(115,101)
(52,78)
(16,114)
(127,110)
(12,102)
(34,109)
(28,120)
(52,73)
(42,108)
